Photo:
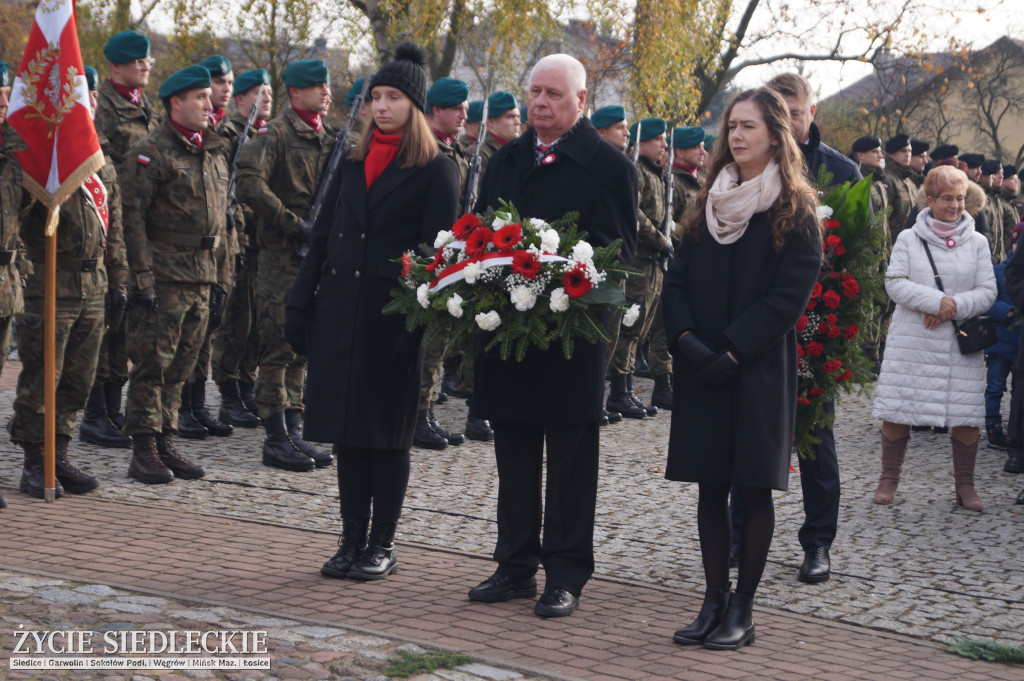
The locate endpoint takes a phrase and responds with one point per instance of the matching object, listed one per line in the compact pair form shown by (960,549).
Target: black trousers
(567,514)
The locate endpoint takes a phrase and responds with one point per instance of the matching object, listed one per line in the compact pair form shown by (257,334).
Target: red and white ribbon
(455,273)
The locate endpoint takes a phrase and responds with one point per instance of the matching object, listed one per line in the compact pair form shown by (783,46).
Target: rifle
(330,183)
(232,174)
(670,186)
(473,178)
(636,143)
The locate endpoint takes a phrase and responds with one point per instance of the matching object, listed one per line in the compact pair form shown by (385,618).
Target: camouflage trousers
(79,332)
(430,378)
(281,378)
(236,344)
(643,290)
(202,369)
(5,339)
(659,360)
(163,347)
(112,366)
(467,366)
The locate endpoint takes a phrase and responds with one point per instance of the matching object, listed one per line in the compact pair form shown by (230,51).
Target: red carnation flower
(406,264)
(465,225)
(831,224)
(831,319)
(437,261)
(839,250)
(850,287)
(526,264)
(833,240)
(831,299)
(811,305)
(803,400)
(800,352)
(575,281)
(845,376)
(508,237)
(816,291)
(801,324)
(851,332)
(814,392)
(477,242)
(814,348)
(834,331)
(823,328)
(832,365)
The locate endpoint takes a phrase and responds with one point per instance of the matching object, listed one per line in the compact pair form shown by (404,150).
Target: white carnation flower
(471,272)
(583,252)
(455,305)
(549,240)
(421,296)
(559,300)
(523,298)
(824,212)
(489,321)
(632,314)
(443,237)
(500,220)
(538,224)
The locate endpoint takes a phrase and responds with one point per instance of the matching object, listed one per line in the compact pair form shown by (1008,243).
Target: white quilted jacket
(925,381)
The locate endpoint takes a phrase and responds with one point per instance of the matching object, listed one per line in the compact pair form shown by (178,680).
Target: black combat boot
(112,397)
(71,478)
(188,427)
(350,547)
(452,438)
(293,423)
(618,400)
(232,410)
(97,428)
(640,367)
(278,449)
(172,458)
(247,391)
(477,428)
(648,409)
(424,436)
(202,414)
(378,558)
(450,376)
(146,465)
(33,482)
(661,396)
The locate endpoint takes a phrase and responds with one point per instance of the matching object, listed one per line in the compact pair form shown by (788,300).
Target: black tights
(377,476)
(715,529)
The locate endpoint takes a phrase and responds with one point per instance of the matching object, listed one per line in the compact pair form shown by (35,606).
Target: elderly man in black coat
(560,165)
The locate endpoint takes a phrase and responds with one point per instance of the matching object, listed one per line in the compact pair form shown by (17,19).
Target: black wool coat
(588,175)
(746,297)
(363,378)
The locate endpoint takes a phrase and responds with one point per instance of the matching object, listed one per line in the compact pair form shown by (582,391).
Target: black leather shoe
(1014,462)
(556,603)
(816,567)
(613,416)
(478,429)
(499,588)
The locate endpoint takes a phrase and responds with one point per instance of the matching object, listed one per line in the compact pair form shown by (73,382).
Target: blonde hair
(941,178)
(417,148)
(792,85)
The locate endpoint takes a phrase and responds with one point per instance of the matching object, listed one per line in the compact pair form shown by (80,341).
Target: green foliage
(992,651)
(409,664)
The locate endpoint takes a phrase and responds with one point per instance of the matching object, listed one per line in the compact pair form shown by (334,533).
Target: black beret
(500,102)
(918,147)
(126,46)
(867,143)
(92,78)
(1009,170)
(476,111)
(217,65)
(191,78)
(406,72)
(608,115)
(944,151)
(649,128)
(306,73)
(687,138)
(5,75)
(247,80)
(897,142)
(991,166)
(447,92)
(971,160)
(524,114)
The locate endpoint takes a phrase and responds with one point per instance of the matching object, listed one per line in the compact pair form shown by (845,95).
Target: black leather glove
(297,328)
(144,301)
(668,251)
(721,369)
(694,350)
(239,262)
(115,308)
(218,297)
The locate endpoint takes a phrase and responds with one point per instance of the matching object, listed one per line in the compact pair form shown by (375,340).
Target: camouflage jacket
(467,145)
(278,175)
(11,300)
(455,153)
(998,236)
(90,255)
(686,191)
(651,241)
(900,191)
(121,122)
(175,203)
(1009,215)
(230,130)
(917,178)
(879,202)
(1017,201)
(487,149)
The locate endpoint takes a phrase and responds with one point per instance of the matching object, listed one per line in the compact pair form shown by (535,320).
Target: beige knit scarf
(731,204)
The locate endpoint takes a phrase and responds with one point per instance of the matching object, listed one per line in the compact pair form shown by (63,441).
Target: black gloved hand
(297,328)
(239,262)
(218,297)
(668,251)
(144,301)
(115,308)
(720,369)
(694,350)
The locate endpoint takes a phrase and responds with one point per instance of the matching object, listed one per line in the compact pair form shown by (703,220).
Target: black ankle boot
(478,429)
(71,478)
(450,437)
(33,482)
(649,410)
(424,436)
(97,428)
(618,400)
(378,558)
(293,423)
(737,627)
(350,547)
(188,427)
(278,449)
(203,416)
(661,396)
(246,391)
(710,616)
(232,410)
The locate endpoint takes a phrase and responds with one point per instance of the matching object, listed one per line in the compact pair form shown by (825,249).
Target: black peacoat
(584,174)
(747,297)
(363,378)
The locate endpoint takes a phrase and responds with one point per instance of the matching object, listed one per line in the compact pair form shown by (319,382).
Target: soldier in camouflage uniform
(123,117)
(174,184)
(867,154)
(900,190)
(643,290)
(502,125)
(918,161)
(471,128)
(690,158)
(236,344)
(278,175)
(1011,191)
(1000,227)
(983,217)
(358,125)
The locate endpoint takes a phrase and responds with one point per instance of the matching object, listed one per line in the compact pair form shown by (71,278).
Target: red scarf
(132,94)
(685,168)
(216,116)
(259,123)
(311,118)
(501,142)
(192,136)
(383,149)
(447,139)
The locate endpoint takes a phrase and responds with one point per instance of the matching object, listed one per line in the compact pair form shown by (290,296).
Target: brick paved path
(621,631)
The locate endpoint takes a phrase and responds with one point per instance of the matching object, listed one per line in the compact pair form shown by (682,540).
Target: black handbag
(975,334)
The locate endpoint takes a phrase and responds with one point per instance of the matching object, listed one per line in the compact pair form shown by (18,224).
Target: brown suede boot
(893,452)
(172,458)
(146,465)
(964,456)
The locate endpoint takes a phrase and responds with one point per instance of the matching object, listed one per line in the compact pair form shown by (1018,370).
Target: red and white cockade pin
(951,242)
(144,160)
(548,160)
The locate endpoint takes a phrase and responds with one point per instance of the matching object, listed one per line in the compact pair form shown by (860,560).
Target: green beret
(687,138)
(357,87)
(447,92)
(500,102)
(247,80)
(306,73)
(126,46)
(476,111)
(709,142)
(217,65)
(191,78)
(524,112)
(608,115)
(5,75)
(649,129)
(92,78)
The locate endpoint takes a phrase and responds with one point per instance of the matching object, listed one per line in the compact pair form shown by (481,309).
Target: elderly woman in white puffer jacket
(925,380)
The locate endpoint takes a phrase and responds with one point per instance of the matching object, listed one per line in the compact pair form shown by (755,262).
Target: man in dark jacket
(560,165)
(819,477)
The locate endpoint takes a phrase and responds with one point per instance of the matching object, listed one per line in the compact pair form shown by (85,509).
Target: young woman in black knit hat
(363,379)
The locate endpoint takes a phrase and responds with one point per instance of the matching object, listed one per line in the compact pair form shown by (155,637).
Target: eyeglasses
(948,199)
(143,62)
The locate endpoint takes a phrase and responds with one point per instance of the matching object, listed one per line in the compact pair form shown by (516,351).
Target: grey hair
(574,71)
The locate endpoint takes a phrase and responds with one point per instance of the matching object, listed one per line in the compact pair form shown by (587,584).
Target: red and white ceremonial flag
(50,109)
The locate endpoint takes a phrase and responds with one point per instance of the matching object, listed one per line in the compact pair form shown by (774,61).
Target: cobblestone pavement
(922,567)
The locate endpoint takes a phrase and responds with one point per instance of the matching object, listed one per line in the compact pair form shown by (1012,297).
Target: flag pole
(49,359)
